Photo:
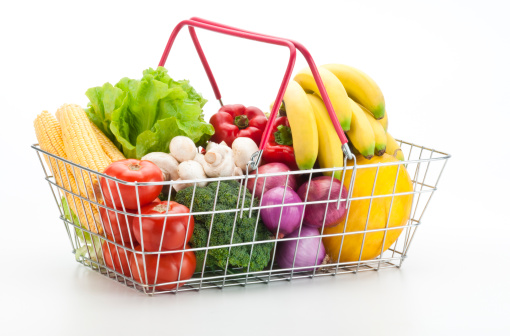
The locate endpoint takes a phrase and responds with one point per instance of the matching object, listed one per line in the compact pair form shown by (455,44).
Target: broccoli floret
(222,224)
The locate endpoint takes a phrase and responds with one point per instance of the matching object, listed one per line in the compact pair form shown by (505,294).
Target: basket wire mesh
(92,246)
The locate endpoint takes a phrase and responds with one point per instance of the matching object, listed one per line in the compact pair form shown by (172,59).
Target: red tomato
(174,235)
(169,265)
(115,225)
(113,252)
(131,170)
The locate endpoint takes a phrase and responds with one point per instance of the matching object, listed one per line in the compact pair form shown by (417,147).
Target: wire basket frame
(100,243)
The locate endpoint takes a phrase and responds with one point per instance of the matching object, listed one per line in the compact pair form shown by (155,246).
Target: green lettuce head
(143,116)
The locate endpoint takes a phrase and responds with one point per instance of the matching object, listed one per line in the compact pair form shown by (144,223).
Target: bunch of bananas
(359,106)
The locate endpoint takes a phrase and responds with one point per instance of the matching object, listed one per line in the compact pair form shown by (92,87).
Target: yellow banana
(361,134)
(302,122)
(360,88)
(384,121)
(330,146)
(392,148)
(351,147)
(335,90)
(379,132)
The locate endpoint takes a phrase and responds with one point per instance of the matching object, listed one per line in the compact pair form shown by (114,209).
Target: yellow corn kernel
(49,136)
(113,153)
(82,146)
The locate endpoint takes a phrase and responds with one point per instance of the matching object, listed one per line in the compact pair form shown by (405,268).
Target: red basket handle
(306,54)
(250,36)
(292,45)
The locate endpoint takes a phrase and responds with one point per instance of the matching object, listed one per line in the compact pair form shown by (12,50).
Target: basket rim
(255,174)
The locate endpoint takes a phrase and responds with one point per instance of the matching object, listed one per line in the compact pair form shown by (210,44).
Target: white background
(444,69)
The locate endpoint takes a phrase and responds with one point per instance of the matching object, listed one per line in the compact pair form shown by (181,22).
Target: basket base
(218,280)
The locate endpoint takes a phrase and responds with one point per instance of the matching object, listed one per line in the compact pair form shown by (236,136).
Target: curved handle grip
(246,35)
(292,45)
(306,54)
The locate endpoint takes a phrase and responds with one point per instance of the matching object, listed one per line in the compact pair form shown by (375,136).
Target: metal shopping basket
(93,247)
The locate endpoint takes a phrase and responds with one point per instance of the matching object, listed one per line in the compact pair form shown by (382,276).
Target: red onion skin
(306,251)
(272,181)
(290,215)
(319,191)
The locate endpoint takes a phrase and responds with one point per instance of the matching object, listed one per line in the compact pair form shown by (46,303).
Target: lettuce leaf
(142,116)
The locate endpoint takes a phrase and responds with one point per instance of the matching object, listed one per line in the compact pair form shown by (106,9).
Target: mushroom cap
(183,148)
(166,162)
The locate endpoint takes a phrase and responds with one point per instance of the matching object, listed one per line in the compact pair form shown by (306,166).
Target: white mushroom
(179,186)
(200,159)
(210,146)
(183,148)
(218,161)
(166,162)
(190,170)
(238,172)
(243,148)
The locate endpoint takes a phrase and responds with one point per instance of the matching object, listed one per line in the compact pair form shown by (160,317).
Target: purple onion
(306,254)
(290,215)
(272,181)
(319,191)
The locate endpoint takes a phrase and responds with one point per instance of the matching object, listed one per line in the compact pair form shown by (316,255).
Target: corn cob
(82,146)
(49,136)
(113,153)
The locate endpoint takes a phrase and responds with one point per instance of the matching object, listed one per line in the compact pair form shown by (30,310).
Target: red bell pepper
(279,146)
(233,121)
